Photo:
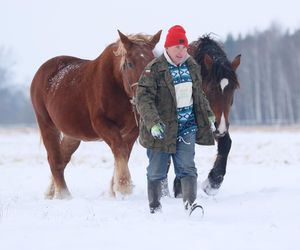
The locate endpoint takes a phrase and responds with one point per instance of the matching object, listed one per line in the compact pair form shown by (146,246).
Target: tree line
(15,107)
(269,77)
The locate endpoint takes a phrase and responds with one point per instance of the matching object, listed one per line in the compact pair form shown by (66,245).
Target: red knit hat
(176,36)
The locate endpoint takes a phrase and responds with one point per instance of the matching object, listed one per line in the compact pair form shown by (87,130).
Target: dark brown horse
(85,100)
(219,82)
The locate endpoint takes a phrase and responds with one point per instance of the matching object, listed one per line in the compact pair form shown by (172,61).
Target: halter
(132,100)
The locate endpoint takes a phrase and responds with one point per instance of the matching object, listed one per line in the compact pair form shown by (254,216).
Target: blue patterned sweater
(182,82)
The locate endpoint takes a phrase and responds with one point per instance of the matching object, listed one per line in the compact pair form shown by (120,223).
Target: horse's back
(53,66)
(56,89)
(52,72)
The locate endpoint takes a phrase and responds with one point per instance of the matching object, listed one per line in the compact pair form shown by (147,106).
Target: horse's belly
(74,124)
(81,134)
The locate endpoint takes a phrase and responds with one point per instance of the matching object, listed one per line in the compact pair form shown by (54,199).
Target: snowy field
(258,206)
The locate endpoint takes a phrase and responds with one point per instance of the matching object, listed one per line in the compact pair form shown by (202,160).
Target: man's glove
(158,131)
(212,121)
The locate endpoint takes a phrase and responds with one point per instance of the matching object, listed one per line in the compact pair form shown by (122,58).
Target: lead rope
(133,103)
(132,99)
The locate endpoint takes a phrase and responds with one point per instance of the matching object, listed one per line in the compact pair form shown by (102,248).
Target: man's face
(177,53)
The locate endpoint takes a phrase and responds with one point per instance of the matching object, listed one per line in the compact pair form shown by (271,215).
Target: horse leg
(216,175)
(129,139)
(68,146)
(121,180)
(110,133)
(51,138)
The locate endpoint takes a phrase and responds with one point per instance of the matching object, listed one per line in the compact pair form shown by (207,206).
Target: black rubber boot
(154,195)
(189,193)
(189,189)
(177,188)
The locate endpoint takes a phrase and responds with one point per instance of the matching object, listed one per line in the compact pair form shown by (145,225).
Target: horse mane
(139,38)
(221,65)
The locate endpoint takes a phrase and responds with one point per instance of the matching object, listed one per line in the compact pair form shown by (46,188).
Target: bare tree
(269,76)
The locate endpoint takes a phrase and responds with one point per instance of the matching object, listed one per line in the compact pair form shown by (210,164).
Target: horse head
(136,52)
(219,79)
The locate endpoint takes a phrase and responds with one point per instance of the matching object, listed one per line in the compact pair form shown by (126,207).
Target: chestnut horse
(219,82)
(85,100)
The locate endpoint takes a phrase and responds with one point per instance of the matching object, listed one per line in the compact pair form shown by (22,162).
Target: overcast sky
(33,31)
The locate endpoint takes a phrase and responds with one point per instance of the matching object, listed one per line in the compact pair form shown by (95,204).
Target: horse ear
(208,61)
(236,62)
(125,40)
(192,49)
(155,39)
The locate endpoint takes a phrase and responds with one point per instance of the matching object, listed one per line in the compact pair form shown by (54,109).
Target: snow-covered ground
(258,206)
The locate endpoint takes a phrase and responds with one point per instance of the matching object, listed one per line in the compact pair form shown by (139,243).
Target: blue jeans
(183,160)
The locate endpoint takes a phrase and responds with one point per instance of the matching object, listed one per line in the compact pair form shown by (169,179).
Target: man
(174,115)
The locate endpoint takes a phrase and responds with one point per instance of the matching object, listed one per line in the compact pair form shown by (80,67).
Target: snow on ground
(257,207)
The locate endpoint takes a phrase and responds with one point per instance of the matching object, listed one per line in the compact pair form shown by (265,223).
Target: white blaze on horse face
(224,82)
(142,55)
(222,127)
(145,58)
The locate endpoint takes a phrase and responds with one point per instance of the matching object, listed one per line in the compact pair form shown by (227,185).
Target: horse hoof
(49,196)
(63,195)
(123,187)
(210,189)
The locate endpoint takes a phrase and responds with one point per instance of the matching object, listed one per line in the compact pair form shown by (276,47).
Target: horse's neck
(108,68)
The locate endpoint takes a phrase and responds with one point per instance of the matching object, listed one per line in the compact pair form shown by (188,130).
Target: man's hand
(212,121)
(158,131)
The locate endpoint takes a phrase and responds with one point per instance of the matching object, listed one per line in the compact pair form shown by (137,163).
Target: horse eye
(128,65)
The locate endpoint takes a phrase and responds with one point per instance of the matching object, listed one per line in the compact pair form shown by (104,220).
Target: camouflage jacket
(156,102)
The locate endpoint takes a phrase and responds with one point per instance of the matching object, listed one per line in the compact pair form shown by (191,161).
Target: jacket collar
(170,60)
(163,62)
